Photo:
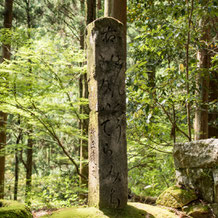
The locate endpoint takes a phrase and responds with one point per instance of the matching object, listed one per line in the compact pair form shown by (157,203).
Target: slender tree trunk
(173,131)
(29,164)
(173,128)
(202,86)
(152,83)
(3,116)
(83,143)
(213,111)
(108,8)
(82,24)
(99,4)
(84,124)
(213,95)
(29,153)
(84,132)
(16,174)
(82,31)
(48,158)
(188,105)
(16,170)
(3,120)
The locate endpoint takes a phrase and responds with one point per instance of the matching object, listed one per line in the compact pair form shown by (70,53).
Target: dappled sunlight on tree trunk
(202,84)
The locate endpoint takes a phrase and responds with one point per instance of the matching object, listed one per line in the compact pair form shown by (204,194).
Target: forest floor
(133,210)
(40,213)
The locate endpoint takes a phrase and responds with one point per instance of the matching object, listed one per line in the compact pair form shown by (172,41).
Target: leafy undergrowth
(136,210)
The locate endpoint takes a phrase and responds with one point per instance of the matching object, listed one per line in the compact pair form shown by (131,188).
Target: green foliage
(156,85)
(42,87)
(150,171)
(39,89)
(55,191)
(41,93)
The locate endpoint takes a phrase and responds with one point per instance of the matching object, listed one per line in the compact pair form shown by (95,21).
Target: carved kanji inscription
(107,101)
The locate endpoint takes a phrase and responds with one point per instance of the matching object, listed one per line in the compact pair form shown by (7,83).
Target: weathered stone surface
(176,197)
(196,154)
(107,102)
(200,180)
(197,167)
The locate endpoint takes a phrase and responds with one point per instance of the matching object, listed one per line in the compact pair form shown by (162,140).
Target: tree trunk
(3,120)
(202,86)
(152,83)
(91,11)
(118,10)
(213,110)
(16,174)
(29,168)
(16,170)
(3,116)
(99,4)
(29,154)
(188,105)
(84,132)
(108,8)
(84,124)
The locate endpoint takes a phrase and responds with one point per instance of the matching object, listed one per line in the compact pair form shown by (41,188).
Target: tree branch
(176,126)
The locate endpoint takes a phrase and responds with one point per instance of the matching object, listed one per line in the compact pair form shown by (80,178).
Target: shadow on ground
(129,212)
(132,210)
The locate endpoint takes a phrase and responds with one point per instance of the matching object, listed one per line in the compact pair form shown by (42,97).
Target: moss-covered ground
(132,210)
(13,209)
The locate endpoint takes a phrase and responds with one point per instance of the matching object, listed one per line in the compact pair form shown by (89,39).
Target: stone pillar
(107,125)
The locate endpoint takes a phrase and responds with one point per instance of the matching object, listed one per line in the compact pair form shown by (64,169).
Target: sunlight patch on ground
(136,210)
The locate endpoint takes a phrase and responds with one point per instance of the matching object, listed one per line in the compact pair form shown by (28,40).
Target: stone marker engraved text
(107,100)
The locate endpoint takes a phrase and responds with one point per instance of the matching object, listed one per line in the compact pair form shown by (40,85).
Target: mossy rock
(198,211)
(132,210)
(176,197)
(13,209)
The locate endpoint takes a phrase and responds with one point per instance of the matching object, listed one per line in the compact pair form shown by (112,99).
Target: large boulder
(196,154)
(197,167)
(201,180)
(176,197)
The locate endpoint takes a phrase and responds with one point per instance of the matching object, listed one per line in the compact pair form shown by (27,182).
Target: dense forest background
(171,82)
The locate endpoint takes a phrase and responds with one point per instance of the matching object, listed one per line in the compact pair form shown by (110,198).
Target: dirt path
(40,213)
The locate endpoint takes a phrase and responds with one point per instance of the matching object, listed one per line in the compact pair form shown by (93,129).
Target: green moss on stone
(13,209)
(176,197)
(132,210)
(198,211)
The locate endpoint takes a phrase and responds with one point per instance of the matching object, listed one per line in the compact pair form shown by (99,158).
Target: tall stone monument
(107,125)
